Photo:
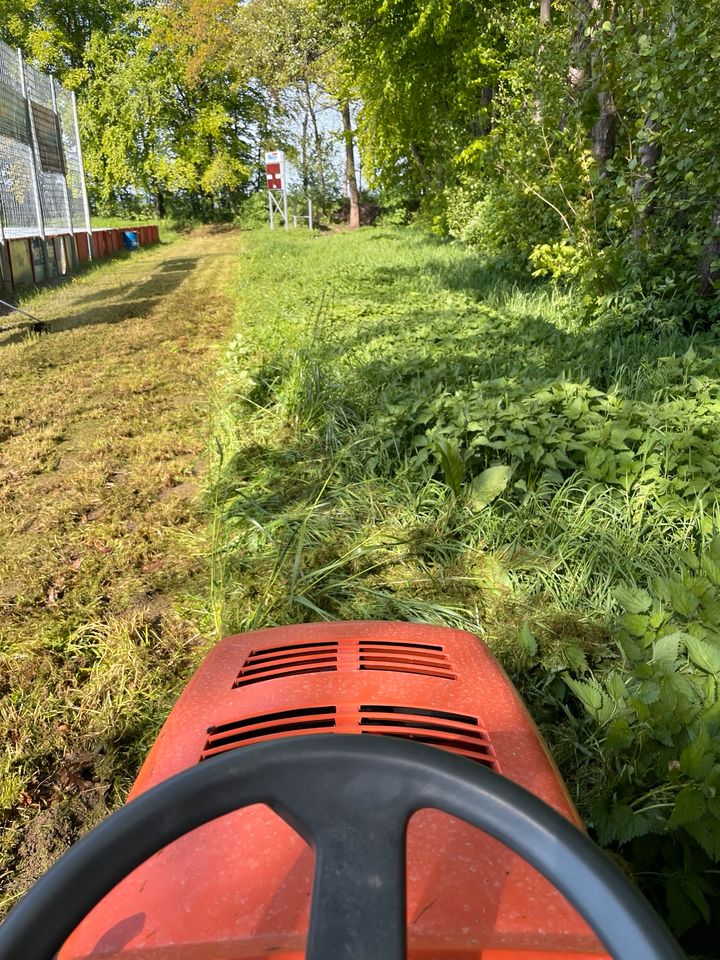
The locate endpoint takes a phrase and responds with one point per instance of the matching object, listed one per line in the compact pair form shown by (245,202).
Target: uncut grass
(320,511)
(103,567)
(307,383)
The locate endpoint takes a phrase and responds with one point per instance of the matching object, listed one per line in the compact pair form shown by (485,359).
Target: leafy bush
(254,211)
(504,222)
(657,712)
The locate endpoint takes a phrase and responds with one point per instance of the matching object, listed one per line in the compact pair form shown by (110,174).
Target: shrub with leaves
(658,718)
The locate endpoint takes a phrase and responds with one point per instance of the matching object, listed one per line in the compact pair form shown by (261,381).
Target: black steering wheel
(351,797)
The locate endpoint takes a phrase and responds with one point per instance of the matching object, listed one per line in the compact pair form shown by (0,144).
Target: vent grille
(239,733)
(291,661)
(424,659)
(453,732)
(390,656)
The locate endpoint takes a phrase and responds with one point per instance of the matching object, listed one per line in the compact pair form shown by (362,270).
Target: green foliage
(488,218)
(656,436)
(407,435)
(584,149)
(53,33)
(166,120)
(151,131)
(253,212)
(657,712)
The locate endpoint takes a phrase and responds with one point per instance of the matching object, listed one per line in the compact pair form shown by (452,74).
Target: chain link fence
(42,185)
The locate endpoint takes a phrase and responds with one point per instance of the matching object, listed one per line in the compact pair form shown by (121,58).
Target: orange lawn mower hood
(240,886)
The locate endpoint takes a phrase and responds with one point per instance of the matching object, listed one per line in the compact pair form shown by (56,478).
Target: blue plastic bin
(130,240)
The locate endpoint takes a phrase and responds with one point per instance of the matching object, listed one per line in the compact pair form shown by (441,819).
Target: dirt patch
(48,835)
(103,568)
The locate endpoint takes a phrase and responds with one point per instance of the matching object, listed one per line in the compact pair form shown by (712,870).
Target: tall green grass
(372,382)
(340,342)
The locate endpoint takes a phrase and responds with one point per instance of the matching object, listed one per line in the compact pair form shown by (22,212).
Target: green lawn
(403,433)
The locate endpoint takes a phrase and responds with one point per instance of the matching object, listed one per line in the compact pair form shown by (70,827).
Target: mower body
(239,888)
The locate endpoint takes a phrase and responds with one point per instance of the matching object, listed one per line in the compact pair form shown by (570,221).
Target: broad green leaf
(620,735)
(635,623)
(696,759)
(666,649)
(625,824)
(452,463)
(689,807)
(704,654)
(488,486)
(684,602)
(707,834)
(526,640)
(592,697)
(616,686)
(632,599)
(575,658)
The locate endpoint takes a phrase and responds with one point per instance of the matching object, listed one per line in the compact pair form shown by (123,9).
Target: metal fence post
(33,166)
(83,187)
(4,261)
(67,188)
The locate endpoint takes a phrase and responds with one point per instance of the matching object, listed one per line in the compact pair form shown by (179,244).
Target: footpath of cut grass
(406,434)
(104,424)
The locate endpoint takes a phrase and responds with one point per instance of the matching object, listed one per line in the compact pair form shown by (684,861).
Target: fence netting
(42,185)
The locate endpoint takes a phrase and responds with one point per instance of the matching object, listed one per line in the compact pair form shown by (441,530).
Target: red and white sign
(275,169)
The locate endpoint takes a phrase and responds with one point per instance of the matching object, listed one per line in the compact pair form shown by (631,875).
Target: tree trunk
(709,272)
(483,122)
(648,157)
(417,156)
(579,67)
(305,159)
(545,21)
(350,167)
(604,132)
(318,142)
(160,202)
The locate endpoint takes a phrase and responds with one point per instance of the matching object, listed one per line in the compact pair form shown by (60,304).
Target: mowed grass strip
(103,568)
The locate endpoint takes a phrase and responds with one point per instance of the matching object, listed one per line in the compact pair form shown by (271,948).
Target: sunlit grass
(317,502)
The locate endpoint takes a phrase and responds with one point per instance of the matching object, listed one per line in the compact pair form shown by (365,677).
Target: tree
(154,127)
(53,33)
(296,45)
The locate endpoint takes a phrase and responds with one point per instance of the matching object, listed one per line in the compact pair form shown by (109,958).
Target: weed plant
(404,433)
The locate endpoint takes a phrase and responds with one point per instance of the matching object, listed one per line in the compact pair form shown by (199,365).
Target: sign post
(277,186)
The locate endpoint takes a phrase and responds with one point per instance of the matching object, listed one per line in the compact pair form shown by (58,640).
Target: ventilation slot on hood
(423,659)
(453,732)
(267,726)
(276,662)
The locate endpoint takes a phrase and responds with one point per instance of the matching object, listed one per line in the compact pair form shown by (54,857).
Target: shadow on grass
(117,303)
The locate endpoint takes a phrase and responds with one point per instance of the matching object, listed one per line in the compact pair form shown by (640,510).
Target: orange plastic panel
(240,887)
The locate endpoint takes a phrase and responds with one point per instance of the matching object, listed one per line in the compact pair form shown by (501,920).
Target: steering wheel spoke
(359,842)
